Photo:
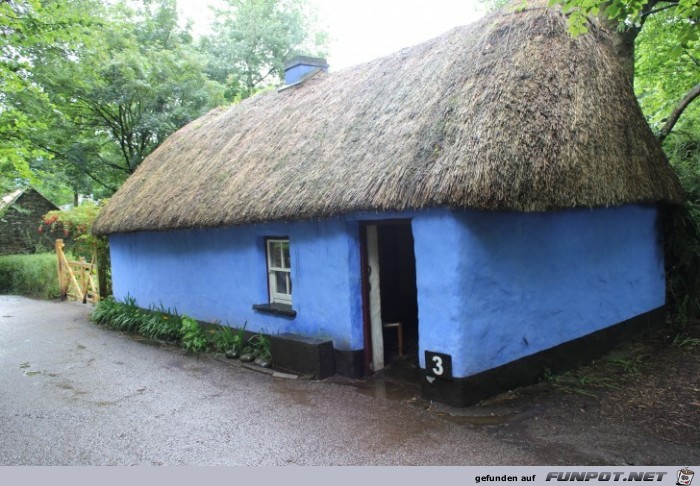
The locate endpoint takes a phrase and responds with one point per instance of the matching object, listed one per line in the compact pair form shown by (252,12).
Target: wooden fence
(77,279)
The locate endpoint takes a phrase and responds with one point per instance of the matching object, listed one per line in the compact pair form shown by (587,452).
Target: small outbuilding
(21,215)
(486,203)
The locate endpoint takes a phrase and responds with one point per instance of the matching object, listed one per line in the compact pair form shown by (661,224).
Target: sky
(362,30)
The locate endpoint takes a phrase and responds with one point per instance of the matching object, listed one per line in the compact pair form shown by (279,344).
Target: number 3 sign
(438,365)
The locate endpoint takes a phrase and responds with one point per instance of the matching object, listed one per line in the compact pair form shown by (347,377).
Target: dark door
(390,308)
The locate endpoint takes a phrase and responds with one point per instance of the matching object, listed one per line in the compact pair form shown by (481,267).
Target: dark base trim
(461,392)
(304,355)
(350,363)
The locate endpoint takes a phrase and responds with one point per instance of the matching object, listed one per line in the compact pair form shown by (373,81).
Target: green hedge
(31,275)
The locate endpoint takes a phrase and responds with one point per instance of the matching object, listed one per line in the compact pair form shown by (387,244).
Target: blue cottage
(486,203)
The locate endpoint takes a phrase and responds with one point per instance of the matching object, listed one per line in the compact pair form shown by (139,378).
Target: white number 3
(438,369)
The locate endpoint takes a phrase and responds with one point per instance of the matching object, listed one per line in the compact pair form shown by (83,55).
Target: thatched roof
(508,113)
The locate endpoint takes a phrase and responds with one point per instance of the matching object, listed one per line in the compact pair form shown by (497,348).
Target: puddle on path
(410,393)
(402,383)
(388,390)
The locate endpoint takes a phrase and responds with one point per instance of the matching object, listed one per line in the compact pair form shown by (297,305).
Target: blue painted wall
(218,274)
(492,287)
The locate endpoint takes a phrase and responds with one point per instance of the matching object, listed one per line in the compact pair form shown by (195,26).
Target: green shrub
(260,345)
(682,234)
(222,339)
(239,338)
(159,325)
(105,311)
(162,323)
(192,336)
(31,275)
(128,316)
(225,338)
(682,241)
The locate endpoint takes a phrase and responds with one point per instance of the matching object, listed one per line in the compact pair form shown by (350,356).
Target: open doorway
(390,303)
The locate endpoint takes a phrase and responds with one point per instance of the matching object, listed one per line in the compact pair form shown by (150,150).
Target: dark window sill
(276,309)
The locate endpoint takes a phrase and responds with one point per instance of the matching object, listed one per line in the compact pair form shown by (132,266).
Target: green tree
(123,99)
(253,38)
(667,77)
(100,107)
(30,32)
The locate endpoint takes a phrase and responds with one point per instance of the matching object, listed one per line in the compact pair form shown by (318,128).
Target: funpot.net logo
(605,476)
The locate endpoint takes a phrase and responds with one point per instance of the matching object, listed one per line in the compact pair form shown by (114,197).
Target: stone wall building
(21,213)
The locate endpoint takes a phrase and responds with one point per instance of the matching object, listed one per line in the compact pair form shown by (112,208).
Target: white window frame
(278,296)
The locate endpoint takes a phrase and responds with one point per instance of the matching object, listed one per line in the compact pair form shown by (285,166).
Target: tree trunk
(104,271)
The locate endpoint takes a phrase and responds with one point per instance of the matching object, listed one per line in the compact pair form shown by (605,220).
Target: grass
(682,340)
(632,366)
(610,373)
(30,275)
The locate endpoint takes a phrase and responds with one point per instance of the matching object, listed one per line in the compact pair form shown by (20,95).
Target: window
(279,271)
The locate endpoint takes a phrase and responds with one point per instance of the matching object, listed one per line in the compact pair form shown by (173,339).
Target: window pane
(285,255)
(275,248)
(281,282)
(279,260)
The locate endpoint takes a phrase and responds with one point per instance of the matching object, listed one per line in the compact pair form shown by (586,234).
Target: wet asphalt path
(73,393)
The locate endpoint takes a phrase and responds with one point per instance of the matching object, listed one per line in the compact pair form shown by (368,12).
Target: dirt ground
(638,405)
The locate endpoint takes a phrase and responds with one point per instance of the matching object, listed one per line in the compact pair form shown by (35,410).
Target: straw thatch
(509,113)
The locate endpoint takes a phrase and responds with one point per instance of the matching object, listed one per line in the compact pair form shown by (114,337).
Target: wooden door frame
(364,276)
